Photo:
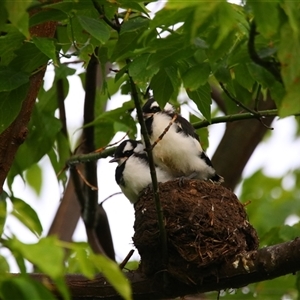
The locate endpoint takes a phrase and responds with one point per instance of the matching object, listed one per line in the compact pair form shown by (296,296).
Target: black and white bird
(179,151)
(133,172)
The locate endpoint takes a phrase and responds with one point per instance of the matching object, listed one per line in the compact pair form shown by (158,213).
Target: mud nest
(206,226)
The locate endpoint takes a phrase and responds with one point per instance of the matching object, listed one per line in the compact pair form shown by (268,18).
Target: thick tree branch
(14,135)
(264,264)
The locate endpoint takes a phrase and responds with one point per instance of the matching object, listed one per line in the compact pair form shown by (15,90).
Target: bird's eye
(155,109)
(127,153)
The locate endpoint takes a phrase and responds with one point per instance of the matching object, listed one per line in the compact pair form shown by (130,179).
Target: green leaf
(105,123)
(267,23)
(48,47)
(33,176)
(18,15)
(202,98)
(243,77)
(10,105)
(9,43)
(24,288)
(113,274)
(138,70)
(98,29)
(27,215)
(288,233)
(80,262)
(28,58)
(196,76)
(50,264)
(129,38)
(290,102)
(43,129)
(291,8)
(261,75)
(162,87)
(43,16)
(11,79)
(168,52)
(268,197)
(4,266)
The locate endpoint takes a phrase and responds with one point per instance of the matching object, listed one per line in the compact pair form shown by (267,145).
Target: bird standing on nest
(133,172)
(176,145)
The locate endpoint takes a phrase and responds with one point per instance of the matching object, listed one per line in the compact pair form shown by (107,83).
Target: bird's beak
(115,159)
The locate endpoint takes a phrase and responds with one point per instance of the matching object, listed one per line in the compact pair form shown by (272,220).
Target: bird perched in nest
(133,172)
(176,145)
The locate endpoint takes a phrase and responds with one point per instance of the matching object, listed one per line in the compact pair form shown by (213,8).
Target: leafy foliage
(187,46)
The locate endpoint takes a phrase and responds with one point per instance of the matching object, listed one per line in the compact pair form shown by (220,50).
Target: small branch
(254,112)
(236,117)
(77,186)
(237,102)
(269,66)
(105,19)
(126,259)
(159,209)
(94,188)
(83,158)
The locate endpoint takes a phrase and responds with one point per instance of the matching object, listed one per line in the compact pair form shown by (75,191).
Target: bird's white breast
(137,176)
(177,152)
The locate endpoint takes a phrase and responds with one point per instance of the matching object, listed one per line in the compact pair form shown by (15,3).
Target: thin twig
(109,145)
(254,112)
(103,16)
(83,158)
(94,188)
(165,131)
(237,102)
(235,117)
(126,259)
(159,209)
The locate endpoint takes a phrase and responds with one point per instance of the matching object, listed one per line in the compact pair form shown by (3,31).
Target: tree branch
(265,264)
(159,209)
(15,134)
(83,158)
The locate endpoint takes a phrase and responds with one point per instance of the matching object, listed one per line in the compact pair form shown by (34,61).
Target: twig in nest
(109,145)
(94,188)
(164,132)
(247,203)
(126,259)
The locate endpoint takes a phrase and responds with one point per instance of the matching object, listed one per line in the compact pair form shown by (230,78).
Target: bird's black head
(126,149)
(150,107)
